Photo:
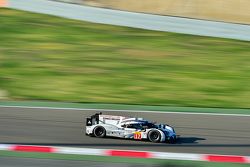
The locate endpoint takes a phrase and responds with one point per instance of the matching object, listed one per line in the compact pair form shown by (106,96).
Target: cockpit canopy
(139,125)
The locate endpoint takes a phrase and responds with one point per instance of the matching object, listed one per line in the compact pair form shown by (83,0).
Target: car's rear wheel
(99,131)
(154,136)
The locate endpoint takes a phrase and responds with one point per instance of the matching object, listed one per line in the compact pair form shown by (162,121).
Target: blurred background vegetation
(49,58)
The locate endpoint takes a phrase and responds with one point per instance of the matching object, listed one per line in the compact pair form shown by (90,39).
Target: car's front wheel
(99,131)
(154,136)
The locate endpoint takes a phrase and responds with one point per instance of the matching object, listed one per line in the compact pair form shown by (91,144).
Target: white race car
(99,125)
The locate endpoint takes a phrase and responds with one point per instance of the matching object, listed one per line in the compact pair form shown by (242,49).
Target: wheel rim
(154,135)
(99,132)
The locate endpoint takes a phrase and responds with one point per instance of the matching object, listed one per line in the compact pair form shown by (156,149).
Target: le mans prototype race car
(99,125)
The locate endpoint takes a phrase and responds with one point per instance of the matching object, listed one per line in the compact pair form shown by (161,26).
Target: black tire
(154,136)
(99,131)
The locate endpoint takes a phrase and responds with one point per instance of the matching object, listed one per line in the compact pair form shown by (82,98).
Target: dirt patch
(236,11)
(3,94)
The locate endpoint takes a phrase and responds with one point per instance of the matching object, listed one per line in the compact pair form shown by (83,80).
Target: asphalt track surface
(64,127)
(137,20)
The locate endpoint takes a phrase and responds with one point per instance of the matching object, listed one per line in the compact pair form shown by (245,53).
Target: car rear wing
(93,120)
(98,118)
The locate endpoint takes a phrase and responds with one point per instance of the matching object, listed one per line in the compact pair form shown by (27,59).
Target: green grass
(50,58)
(163,163)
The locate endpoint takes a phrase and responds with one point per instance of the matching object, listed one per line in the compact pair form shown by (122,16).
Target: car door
(131,131)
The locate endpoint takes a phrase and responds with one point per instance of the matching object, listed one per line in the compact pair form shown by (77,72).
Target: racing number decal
(137,135)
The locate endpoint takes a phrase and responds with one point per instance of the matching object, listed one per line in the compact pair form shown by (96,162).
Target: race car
(99,125)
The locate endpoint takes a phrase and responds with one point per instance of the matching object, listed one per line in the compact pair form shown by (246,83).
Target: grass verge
(123,107)
(50,58)
(120,159)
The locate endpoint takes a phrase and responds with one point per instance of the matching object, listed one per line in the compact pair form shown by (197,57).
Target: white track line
(113,110)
